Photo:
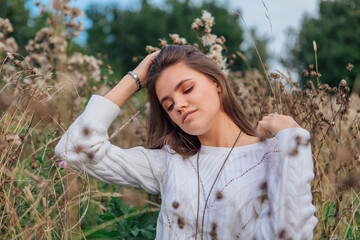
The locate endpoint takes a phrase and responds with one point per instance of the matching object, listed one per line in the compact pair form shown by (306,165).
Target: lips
(186,114)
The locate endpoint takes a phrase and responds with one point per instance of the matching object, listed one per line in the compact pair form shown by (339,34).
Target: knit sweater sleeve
(85,146)
(288,212)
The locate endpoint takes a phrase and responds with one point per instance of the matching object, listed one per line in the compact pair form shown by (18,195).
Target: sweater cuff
(101,110)
(287,138)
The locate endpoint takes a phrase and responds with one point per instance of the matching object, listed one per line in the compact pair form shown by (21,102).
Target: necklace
(207,198)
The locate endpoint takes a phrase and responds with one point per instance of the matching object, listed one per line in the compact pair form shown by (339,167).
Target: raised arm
(128,85)
(86,146)
(288,213)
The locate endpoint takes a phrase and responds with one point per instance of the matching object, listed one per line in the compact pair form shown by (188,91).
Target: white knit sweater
(265,186)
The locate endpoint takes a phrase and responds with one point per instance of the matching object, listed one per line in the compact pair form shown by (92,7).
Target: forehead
(171,76)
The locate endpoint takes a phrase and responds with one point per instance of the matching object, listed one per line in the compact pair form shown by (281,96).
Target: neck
(222,134)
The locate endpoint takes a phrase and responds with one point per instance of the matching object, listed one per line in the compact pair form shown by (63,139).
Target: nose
(180,104)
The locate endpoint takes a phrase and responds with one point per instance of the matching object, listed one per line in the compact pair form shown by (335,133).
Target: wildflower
(196,24)
(12,137)
(275,75)
(15,191)
(207,18)
(75,12)
(305,73)
(174,37)
(150,49)
(350,67)
(35,164)
(63,164)
(343,82)
(5,25)
(216,48)
(312,73)
(181,41)
(207,29)
(163,42)
(58,5)
(102,208)
(208,39)
(44,34)
(18,64)
(219,41)
(12,44)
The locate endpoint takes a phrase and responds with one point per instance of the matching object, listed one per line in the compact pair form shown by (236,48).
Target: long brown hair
(162,130)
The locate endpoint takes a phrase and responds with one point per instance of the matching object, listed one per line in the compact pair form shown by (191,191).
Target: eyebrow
(176,88)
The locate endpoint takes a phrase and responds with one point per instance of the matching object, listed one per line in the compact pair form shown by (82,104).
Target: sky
(270,18)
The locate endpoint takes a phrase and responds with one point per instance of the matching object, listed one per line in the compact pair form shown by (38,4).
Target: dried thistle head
(208,19)
(175,204)
(181,222)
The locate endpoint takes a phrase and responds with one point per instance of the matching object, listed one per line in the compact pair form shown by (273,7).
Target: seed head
(181,222)
(275,75)
(35,164)
(305,73)
(175,204)
(315,46)
(86,131)
(219,195)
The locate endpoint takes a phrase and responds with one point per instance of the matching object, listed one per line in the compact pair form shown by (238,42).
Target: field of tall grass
(42,92)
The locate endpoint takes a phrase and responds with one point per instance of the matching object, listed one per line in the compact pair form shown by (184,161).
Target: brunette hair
(162,130)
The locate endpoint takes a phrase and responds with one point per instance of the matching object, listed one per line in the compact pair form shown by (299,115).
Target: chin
(195,131)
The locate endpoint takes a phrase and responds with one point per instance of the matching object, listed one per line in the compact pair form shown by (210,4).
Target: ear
(218,88)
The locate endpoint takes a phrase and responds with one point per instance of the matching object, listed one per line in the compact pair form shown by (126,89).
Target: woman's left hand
(275,123)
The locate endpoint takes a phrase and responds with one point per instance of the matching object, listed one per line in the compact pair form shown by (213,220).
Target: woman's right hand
(142,69)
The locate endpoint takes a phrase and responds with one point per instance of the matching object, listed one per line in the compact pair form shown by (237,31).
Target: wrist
(137,80)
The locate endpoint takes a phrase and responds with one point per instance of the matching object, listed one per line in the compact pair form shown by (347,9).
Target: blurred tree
(336,32)
(261,43)
(122,34)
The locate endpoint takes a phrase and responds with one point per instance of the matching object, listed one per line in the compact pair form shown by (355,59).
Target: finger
(261,128)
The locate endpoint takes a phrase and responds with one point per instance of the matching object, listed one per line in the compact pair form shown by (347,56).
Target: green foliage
(336,32)
(123,34)
(132,226)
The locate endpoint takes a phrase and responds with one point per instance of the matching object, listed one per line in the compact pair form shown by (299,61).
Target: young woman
(217,180)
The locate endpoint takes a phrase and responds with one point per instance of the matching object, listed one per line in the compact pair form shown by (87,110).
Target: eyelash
(185,92)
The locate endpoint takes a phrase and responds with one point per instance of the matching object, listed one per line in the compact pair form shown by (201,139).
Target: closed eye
(185,92)
(170,107)
(188,90)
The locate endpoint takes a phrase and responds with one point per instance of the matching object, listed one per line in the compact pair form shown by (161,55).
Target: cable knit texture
(265,187)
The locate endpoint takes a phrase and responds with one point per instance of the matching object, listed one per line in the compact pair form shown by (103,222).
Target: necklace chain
(207,198)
